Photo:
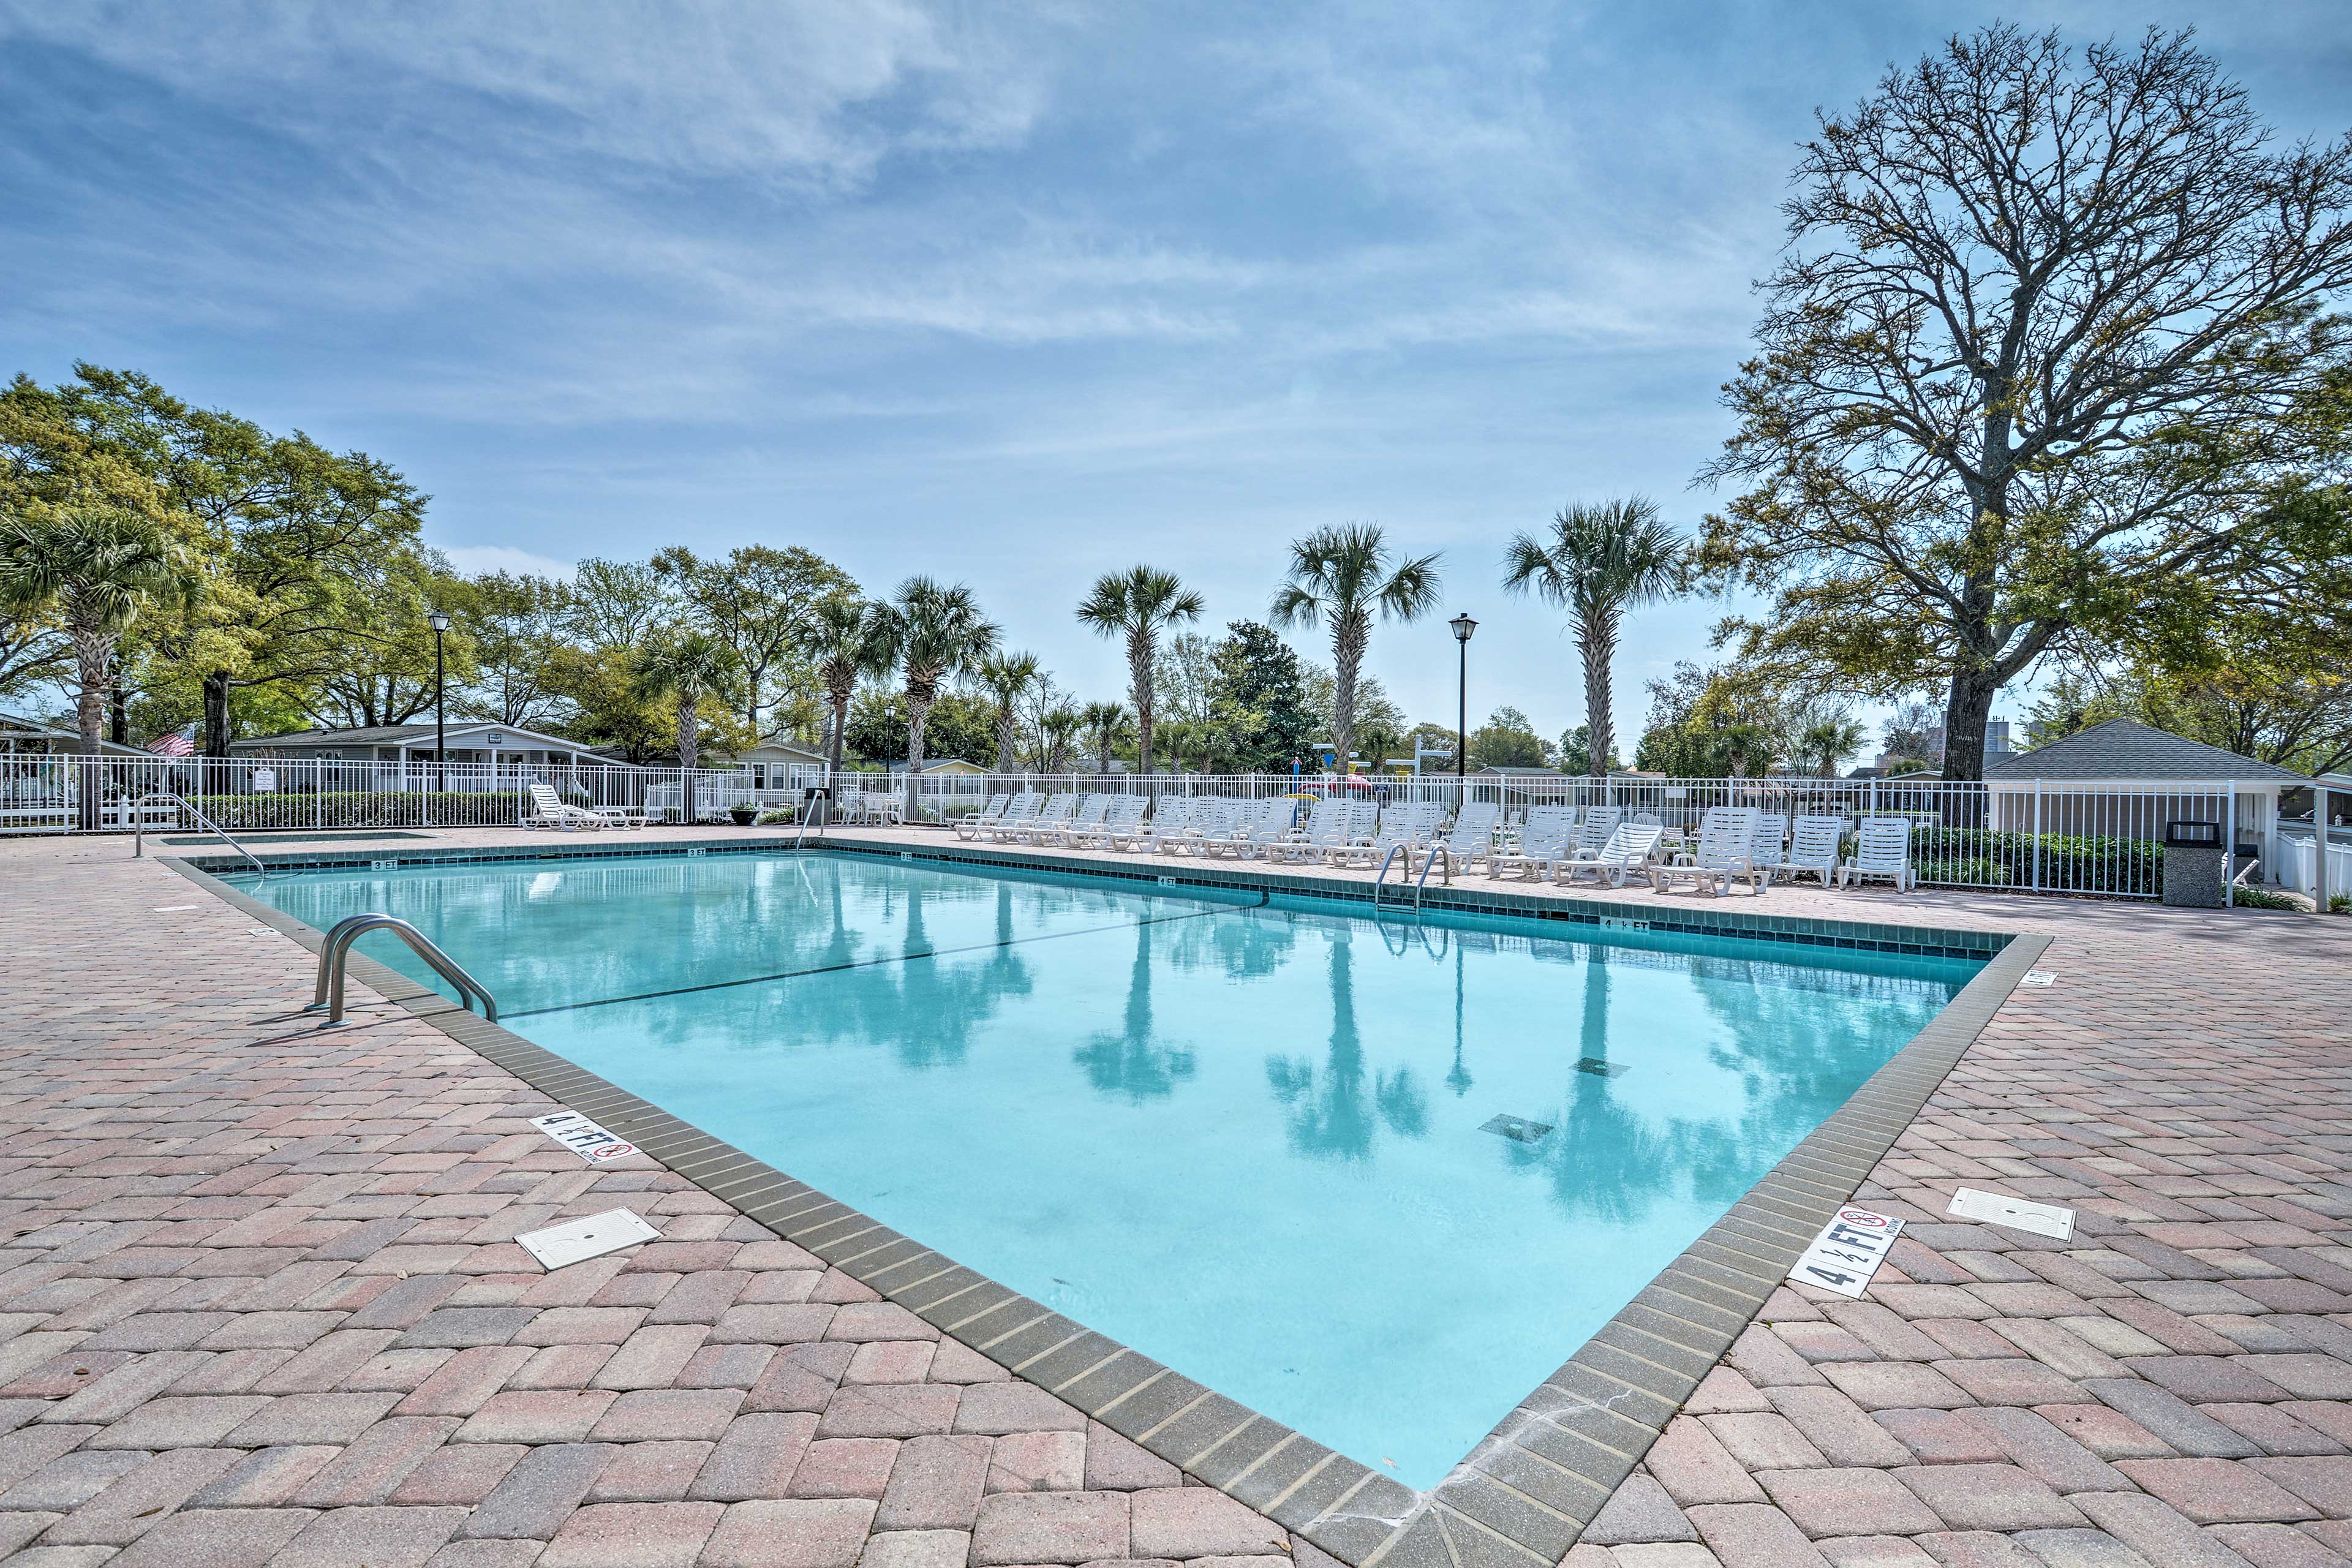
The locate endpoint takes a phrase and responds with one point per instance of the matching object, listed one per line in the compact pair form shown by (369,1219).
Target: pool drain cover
(1518,1129)
(1600,1067)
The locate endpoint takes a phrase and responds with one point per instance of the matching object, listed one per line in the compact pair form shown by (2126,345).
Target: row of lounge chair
(1559,843)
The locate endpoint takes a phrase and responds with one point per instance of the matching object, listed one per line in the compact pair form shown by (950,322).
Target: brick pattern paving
(260,1305)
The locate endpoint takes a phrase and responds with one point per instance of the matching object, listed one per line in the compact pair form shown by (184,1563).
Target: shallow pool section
(1376,1179)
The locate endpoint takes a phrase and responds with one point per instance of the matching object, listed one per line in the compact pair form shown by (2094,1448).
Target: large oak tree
(2025,364)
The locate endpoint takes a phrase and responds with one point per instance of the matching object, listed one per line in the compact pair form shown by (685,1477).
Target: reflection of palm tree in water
(1128,1060)
(1607,1161)
(1329,1113)
(1458,1080)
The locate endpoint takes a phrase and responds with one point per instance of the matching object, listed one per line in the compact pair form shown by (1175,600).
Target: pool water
(1375,1179)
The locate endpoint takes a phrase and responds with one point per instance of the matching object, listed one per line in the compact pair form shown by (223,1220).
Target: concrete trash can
(2192,865)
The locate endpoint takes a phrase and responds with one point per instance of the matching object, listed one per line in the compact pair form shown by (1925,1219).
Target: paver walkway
(258,1302)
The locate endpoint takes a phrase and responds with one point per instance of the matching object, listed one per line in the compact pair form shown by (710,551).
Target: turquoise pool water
(1258,1143)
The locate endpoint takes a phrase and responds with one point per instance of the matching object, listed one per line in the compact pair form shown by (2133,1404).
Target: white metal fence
(2033,837)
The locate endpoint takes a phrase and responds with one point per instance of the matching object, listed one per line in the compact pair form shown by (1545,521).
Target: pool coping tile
(1569,1443)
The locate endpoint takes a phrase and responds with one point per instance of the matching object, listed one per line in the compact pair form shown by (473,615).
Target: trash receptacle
(2192,865)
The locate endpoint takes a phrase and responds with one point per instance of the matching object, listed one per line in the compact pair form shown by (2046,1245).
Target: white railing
(2018,836)
(2299,863)
(70,794)
(2027,836)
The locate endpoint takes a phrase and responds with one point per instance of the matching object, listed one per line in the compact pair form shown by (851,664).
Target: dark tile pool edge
(1522,1497)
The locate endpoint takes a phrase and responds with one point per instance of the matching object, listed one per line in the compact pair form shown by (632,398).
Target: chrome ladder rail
(335,952)
(139,827)
(1382,875)
(823,801)
(1435,850)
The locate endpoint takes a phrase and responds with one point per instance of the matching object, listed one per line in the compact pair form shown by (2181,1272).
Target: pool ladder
(1420,882)
(337,949)
(139,827)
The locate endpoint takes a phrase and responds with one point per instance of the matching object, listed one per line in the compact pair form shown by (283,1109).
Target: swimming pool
(1375,1179)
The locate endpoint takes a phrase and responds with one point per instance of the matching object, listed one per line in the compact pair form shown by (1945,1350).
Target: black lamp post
(439,621)
(1462,627)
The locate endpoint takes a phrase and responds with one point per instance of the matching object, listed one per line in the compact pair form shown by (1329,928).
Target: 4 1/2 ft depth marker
(1847,1252)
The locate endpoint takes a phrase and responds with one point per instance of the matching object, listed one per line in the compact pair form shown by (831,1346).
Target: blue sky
(1010,294)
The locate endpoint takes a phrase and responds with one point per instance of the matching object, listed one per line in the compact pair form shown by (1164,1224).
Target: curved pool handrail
(139,827)
(335,952)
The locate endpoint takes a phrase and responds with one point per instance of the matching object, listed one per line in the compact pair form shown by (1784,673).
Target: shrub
(776,816)
(1972,871)
(2070,861)
(2339,904)
(2247,898)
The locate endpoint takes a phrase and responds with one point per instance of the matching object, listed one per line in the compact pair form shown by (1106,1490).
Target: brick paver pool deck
(259,1301)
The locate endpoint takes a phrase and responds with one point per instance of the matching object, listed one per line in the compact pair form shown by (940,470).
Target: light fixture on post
(1462,627)
(439,621)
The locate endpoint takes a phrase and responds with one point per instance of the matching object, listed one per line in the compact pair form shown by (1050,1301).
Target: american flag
(178,743)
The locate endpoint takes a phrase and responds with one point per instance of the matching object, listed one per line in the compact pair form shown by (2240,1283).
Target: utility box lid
(2193,835)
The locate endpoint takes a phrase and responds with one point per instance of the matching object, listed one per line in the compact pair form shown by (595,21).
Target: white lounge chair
(1089,816)
(1885,851)
(1206,826)
(1815,847)
(1769,845)
(1725,838)
(971,827)
(1627,855)
(1330,825)
(1172,815)
(1548,837)
(1469,838)
(1266,822)
(1018,813)
(548,809)
(1600,824)
(1120,823)
(1059,808)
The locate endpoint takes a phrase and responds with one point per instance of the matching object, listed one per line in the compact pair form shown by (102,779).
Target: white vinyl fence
(2025,837)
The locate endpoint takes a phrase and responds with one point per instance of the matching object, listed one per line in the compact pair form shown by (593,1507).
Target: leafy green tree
(1183,672)
(1507,739)
(2041,320)
(1596,563)
(1341,577)
(1007,677)
(380,669)
(1376,712)
(846,641)
(516,624)
(1257,702)
(96,570)
(961,724)
(616,606)
(757,604)
(686,667)
(1103,724)
(1576,754)
(1139,605)
(935,631)
(609,705)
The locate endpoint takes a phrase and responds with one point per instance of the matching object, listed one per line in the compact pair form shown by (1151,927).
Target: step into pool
(1376,1179)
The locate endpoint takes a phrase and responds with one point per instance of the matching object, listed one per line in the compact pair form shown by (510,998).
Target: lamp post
(1462,627)
(439,621)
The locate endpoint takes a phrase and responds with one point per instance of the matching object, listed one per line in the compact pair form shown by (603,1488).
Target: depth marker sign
(1847,1252)
(583,1137)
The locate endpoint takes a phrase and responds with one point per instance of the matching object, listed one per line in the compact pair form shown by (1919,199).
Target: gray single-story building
(2125,779)
(506,746)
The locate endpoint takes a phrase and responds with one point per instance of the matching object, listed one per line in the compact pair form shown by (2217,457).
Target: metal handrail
(336,951)
(139,828)
(1383,874)
(1435,850)
(816,802)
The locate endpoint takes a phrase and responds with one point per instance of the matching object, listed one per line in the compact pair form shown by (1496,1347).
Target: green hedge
(364,808)
(1979,858)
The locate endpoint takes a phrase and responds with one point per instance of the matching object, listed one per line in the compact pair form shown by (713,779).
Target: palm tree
(846,639)
(1139,604)
(1056,727)
(94,569)
(683,668)
(1828,739)
(1341,577)
(1103,721)
(1598,563)
(1008,678)
(935,631)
